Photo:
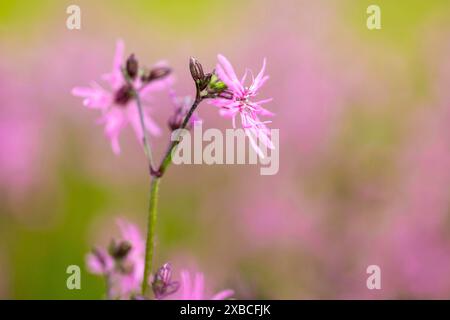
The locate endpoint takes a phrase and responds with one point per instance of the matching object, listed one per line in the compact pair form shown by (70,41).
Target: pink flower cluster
(122,265)
(119,107)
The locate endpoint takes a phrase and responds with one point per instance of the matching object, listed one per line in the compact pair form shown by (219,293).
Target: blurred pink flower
(123,265)
(181,106)
(194,288)
(118,106)
(21,133)
(236,100)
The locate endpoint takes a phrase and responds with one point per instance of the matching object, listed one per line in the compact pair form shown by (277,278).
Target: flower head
(236,100)
(118,104)
(123,263)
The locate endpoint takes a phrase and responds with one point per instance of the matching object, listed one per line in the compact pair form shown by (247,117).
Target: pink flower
(162,283)
(136,257)
(117,105)
(236,100)
(123,263)
(194,288)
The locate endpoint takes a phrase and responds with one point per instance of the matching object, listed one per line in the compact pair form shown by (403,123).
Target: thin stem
(150,245)
(168,156)
(145,139)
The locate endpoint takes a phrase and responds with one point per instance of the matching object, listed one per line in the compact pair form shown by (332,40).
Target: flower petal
(115,121)
(225,70)
(222,295)
(185,285)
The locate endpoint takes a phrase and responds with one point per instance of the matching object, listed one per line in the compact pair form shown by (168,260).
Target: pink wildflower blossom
(123,263)
(118,105)
(236,101)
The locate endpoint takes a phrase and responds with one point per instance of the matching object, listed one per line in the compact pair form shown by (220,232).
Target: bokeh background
(364,158)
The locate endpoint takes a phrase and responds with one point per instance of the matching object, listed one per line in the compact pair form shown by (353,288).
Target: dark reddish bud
(158,73)
(123,95)
(119,250)
(155,73)
(132,67)
(196,70)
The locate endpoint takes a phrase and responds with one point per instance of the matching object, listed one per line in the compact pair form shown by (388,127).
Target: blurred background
(364,173)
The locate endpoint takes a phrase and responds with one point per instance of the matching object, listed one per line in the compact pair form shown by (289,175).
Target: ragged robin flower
(118,104)
(237,101)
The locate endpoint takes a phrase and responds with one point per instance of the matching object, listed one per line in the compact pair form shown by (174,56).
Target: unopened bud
(162,284)
(158,73)
(196,69)
(132,67)
(123,95)
(155,73)
(119,251)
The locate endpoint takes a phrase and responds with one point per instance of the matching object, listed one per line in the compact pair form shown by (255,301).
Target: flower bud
(162,283)
(155,74)
(158,73)
(119,250)
(132,67)
(196,70)
(123,95)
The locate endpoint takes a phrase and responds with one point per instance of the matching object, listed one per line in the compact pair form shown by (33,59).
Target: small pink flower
(131,281)
(194,288)
(117,105)
(236,100)
(181,108)
(123,265)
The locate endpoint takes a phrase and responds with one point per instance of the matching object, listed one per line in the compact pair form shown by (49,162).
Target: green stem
(150,246)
